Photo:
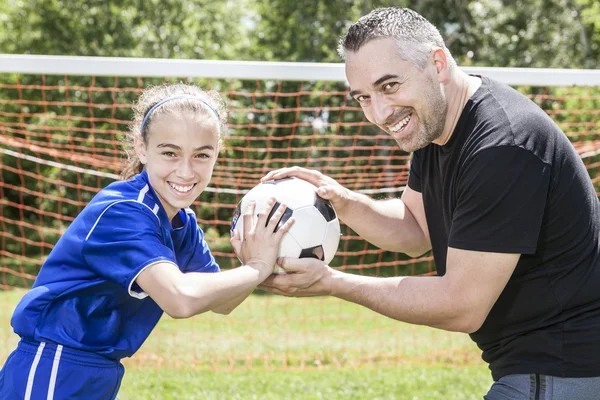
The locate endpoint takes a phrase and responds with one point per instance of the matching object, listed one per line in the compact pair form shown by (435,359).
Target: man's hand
(327,188)
(305,277)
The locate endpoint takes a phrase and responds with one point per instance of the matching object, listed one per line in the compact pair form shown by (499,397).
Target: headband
(181,96)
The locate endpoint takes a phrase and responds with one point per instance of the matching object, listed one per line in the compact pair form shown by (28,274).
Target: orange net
(61,142)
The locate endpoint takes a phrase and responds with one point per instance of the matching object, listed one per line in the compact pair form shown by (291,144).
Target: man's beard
(431,127)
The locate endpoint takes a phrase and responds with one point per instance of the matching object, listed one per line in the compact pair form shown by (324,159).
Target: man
(498,193)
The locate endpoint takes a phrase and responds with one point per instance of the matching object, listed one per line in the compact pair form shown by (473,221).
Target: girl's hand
(259,247)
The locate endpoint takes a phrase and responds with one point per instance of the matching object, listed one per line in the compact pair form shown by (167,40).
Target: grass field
(280,348)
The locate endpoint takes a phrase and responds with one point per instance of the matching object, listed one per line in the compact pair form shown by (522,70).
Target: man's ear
(439,59)
(140,149)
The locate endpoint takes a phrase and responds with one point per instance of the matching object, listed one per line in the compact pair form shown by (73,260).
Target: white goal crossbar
(294,71)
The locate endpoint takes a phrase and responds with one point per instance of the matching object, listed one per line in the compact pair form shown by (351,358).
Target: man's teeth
(179,188)
(401,124)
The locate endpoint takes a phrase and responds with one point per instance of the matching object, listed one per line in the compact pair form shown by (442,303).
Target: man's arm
(458,301)
(395,224)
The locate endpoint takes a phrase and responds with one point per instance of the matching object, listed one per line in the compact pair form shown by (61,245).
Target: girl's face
(179,157)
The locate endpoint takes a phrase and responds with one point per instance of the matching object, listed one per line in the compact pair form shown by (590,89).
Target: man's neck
(459,91)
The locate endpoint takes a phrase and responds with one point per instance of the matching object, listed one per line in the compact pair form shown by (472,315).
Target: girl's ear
(140,149)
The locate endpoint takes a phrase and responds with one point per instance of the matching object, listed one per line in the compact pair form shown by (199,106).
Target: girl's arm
(182,295)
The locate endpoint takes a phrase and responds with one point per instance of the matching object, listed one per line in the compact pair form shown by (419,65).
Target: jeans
(544,387)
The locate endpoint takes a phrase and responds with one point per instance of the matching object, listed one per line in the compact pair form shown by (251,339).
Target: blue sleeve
(126,238)
(198,257)
(202,259)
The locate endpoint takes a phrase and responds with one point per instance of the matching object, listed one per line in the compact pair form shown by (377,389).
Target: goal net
(62,123)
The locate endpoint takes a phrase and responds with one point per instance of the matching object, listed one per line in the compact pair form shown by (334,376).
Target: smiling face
(179,156)
(404,101)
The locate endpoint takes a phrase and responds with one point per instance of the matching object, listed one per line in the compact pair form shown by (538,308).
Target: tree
(501,33)
(127,28)
(534,33)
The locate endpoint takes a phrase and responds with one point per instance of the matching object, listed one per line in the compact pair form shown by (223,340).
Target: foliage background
(499,33)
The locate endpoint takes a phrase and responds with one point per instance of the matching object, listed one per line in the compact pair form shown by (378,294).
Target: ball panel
(286,215)
(331,241)
(236,216)
(238,224)
(288,248)
(313,252)
(325,208)
(309,227)
(294,192)
(260,193)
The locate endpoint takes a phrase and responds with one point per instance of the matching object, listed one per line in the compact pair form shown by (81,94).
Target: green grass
(366,383)
(280,348)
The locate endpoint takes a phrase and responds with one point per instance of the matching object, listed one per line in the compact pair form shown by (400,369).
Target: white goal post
(156,67)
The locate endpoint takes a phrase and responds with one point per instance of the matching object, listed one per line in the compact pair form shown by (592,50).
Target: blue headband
(181,96)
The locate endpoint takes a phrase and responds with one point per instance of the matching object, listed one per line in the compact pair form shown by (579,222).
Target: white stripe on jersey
(54,372)
(109,206)
(142,194)
(34,365)
(140,200)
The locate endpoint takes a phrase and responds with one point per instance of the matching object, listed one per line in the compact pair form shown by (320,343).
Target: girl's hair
(182,98)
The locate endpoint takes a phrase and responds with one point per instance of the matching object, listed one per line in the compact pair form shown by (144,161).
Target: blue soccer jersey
(85,296)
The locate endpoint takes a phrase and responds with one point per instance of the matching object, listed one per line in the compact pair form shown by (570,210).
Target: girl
(134,252)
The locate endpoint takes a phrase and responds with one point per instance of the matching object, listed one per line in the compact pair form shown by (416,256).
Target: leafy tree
(534,33)
(127,28)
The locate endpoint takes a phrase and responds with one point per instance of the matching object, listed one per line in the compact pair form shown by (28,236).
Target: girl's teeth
(183,189)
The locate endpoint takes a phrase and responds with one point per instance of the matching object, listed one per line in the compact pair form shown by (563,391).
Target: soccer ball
(316,231)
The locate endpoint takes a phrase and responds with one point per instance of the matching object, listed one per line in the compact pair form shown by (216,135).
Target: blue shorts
(47,371)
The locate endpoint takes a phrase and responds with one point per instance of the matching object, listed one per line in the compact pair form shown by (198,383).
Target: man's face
(404,101)
(179,158)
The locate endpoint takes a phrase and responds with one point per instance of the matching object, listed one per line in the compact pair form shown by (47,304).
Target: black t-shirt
(509,181)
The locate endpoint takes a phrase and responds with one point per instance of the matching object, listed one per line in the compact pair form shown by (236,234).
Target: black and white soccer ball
(316,231)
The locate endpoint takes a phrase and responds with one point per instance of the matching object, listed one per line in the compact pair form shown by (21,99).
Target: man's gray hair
(414,35)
